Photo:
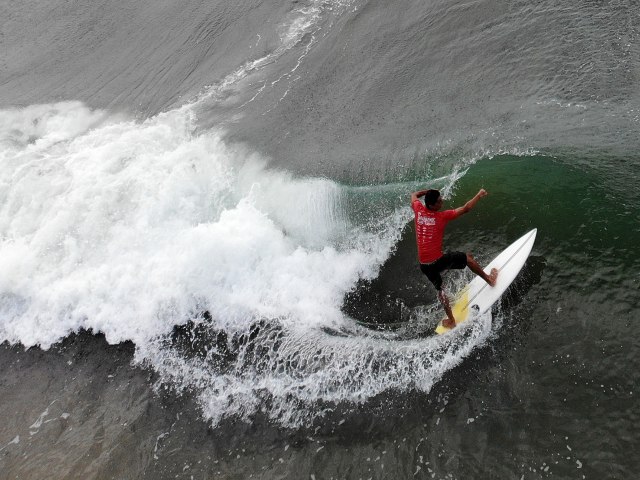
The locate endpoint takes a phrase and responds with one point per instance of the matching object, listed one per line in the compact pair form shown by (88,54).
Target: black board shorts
(455,260)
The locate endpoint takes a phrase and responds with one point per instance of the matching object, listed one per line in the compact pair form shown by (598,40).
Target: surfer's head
(433,200)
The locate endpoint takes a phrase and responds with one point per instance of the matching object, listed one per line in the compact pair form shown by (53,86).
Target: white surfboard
(477,296)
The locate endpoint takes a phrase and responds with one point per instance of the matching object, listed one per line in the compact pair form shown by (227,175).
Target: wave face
(211,182)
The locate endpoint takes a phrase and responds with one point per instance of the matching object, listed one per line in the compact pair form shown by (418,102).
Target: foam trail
(297,372)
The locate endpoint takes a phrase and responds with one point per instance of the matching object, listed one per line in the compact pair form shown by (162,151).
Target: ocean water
(207,257)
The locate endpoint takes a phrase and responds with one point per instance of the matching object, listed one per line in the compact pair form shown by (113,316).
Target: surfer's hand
(482,193)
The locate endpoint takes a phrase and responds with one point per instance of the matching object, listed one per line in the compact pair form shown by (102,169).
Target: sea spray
(294,375)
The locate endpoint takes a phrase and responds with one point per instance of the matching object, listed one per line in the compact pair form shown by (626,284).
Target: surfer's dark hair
(431,197)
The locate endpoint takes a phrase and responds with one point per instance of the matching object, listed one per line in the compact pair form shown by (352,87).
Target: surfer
(430,223)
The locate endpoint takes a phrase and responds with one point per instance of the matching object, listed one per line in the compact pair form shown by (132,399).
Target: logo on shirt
(426,220)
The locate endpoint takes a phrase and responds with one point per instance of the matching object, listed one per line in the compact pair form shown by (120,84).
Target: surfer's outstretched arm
(467,207)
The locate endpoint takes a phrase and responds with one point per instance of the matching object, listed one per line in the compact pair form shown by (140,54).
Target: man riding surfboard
(430,223)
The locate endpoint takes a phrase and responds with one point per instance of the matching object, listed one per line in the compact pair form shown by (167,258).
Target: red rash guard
(430,230)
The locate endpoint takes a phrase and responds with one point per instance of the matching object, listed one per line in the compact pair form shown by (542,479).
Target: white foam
(43,125)
(304,369)
(131,227)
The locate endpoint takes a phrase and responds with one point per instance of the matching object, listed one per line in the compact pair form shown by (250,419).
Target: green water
(553,392)
(563,390)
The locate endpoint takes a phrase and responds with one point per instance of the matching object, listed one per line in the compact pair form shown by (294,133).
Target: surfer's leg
(450,321)
(432,271)
(477,269)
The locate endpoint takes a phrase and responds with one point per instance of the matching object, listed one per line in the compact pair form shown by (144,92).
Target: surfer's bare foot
(448,323)
(493,276)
